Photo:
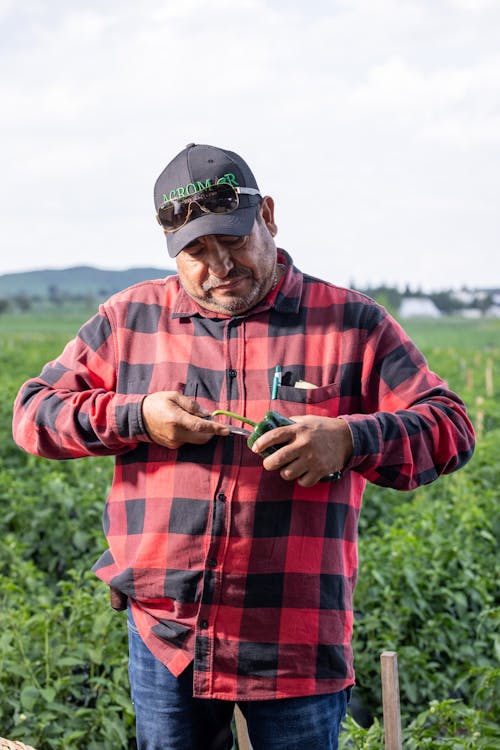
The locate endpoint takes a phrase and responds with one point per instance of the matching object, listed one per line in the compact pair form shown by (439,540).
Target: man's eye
(232,241)
(194,250)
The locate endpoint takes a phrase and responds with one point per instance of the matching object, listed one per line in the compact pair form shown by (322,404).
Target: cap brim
(238,223)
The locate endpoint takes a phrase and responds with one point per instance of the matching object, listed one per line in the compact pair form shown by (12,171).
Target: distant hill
(79,280)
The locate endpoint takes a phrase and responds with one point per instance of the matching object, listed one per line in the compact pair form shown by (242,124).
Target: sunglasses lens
(217,199)
(173,214)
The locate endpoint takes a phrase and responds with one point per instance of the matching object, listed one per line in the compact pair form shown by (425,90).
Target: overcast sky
(375,125)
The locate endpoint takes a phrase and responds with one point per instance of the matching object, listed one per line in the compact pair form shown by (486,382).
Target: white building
(493,311)
(471,313)
(418,307)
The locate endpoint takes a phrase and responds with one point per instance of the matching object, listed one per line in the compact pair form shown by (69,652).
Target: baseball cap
(194,168)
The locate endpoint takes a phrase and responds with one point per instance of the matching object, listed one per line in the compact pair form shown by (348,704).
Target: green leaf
(29,696)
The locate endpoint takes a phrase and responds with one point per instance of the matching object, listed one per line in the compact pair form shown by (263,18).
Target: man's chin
(227,302)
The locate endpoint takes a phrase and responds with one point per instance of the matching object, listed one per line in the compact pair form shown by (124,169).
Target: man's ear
(267,213)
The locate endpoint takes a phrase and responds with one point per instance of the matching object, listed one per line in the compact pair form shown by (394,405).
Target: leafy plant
(428,584)
(428,589)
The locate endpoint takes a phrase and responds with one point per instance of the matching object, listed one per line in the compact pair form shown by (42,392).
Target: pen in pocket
(276,382)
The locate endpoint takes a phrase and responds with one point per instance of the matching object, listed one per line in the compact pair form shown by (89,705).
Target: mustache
(212,282)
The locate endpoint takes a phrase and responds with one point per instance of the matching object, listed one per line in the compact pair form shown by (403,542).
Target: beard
(231,303)
(212,282)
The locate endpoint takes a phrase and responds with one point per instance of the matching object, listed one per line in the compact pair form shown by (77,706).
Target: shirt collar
(284,298)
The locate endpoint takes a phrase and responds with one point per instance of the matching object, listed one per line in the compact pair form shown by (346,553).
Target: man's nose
(218,257)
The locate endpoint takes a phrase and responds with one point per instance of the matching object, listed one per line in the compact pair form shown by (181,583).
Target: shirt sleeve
(413,427)
(72,409)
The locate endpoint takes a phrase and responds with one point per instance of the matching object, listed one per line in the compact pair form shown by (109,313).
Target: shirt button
(221,497)
(212,562)
(203,624)
(232,373)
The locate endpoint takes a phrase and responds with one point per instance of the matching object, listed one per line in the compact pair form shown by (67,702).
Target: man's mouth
(224,284)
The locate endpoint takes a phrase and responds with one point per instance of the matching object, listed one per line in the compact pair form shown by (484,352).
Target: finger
(202,425)
(191,405)
(277,436)
(300,471)
(176,435)
(292,471)
(308,480)
(282,455)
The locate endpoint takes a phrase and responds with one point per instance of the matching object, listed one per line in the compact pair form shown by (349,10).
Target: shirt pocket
(205,390)
(323,401)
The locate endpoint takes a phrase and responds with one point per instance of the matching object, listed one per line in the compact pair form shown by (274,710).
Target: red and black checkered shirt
(225,563)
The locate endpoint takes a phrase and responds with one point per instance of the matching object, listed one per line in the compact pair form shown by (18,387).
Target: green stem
(234,416)
(47,654)
(27,662)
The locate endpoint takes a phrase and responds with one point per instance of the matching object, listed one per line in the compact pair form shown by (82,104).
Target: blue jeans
(169,718)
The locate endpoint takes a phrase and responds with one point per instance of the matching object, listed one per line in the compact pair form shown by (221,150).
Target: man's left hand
(314,447)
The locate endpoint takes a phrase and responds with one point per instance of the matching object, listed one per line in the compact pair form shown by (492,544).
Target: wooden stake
(479,422)
(390,700)
(488,377)
(241,730)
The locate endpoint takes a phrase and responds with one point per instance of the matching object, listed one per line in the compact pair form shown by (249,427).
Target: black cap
(198,166)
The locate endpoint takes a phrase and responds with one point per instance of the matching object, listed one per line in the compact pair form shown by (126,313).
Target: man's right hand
(172,419)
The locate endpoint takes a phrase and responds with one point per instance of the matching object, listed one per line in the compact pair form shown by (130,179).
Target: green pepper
(270,421)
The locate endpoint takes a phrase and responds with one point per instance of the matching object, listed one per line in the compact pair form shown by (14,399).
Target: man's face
(230,275)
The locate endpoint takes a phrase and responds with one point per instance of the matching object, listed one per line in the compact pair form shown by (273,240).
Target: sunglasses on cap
(223,198)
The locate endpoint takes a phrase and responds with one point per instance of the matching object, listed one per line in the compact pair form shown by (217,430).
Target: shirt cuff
(367,441)
(129,422)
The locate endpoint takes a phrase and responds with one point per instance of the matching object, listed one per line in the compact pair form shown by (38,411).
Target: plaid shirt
(225,563)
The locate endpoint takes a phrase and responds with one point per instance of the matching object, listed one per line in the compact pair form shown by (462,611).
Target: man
(239,571)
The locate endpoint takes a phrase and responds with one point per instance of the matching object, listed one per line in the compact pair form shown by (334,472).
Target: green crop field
(428,585)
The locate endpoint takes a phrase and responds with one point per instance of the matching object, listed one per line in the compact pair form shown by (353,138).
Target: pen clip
(276,382)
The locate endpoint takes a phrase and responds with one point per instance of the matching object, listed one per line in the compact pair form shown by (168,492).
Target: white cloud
(475,6)
(58,103)
(387,109)
(453,132)
(455,107)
